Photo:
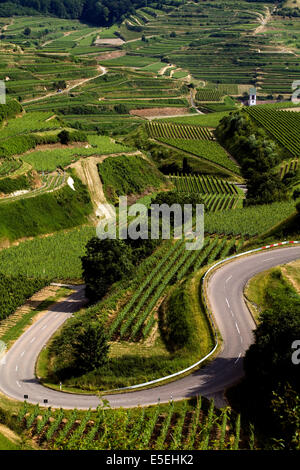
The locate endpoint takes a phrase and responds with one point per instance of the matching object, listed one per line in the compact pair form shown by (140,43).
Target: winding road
(225,294)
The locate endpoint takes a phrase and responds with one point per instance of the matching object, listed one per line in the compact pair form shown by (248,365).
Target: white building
(252,97)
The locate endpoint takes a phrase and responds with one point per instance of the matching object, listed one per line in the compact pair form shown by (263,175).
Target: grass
(49,160)
(128,175)
(137,363)
(7,444)
(273,278)
(16,330)
(46,213)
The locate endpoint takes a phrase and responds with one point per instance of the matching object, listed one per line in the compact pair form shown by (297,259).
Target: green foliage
(268,362)
(15,290)
(207,94)
(30,258)
(46,213)
(250,220)
(49,160)
(257,155)
(128,175)
(10,110)
(284,126)
(106,261)
(178,324)
(64,137)
(158,130)
(188,425)
(10,185)
(90,347)
(204,120)
(207,149)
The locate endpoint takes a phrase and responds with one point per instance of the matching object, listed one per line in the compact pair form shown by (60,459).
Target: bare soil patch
(110,42)
(110,55)
(153,112)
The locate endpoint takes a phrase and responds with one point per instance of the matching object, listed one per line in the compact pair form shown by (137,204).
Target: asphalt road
(225,294)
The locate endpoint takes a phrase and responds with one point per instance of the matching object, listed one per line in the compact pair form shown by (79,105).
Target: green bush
(45,213)
(15,290)
(10,185)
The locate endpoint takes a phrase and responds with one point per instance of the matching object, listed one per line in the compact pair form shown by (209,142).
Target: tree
(60,85)
(268,362)
(286,410)
(27,31)
(90,348)
(186,169)
(105,262)
(64,137)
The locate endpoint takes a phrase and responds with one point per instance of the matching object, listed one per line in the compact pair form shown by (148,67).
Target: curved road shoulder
(225,288)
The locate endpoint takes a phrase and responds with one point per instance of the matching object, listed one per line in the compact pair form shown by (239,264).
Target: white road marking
(227,301)
(268,259)
(238,358)
(56,315)
(33,339)
(232,313)
(237,327)
(18,383)
(22,354)
(16,368)
(228,279)
(44,327)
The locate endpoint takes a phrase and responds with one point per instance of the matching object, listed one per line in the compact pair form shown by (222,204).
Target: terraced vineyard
(207,94)
(8,166)
(31,257)
(50,182)
(138,317)
(284,126)
(249,221)
(33,122)
(205,184)
(177,426)
(49,160)
(207,149)
(162,130)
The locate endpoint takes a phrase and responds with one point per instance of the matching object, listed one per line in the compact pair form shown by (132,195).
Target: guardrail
(181,372)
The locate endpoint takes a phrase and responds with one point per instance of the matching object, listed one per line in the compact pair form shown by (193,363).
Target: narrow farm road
(68,89)
(225,295)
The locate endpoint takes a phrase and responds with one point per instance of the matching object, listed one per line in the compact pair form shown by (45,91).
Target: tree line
(98,12)
(257,155)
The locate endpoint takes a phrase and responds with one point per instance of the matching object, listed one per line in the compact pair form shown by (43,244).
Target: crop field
(205,185)
(31,122)
(185,425)
(113,96)
(138,317)
(49,160)
(204,120)
(32,258)
(53,35)
(207,94)
(249,221)
(30,75)
(158,130)
(128,175)
(206,149)
(284,126)
(9,166)
(50,182)
(201,30)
